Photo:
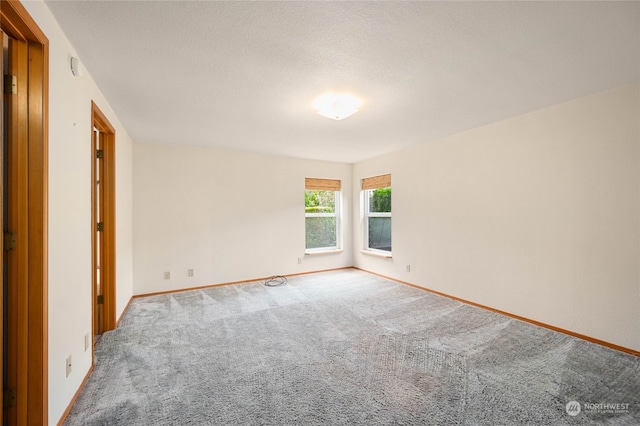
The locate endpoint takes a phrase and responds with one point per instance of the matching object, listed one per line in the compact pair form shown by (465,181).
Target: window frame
(337,214)
(366,193)
(370,184)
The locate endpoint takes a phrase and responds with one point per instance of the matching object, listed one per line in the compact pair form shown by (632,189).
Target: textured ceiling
(242,75)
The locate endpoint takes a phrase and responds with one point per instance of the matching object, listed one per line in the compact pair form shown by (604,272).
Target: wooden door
(3,308)
(104,226)
(24,213)
(14,70)
(98,231)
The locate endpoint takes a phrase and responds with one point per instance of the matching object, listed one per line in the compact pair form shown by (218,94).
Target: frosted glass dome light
(337,106)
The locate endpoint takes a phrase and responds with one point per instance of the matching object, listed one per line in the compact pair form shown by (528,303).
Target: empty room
(321,213)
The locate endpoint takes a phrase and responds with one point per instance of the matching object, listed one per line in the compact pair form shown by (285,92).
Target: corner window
(377,203)
(322,214)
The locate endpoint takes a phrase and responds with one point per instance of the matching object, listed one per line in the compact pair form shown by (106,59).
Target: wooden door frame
(2,255)
(108,186)
(28,146)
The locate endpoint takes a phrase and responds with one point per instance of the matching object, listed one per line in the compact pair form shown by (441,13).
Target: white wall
(231,216)
(538,215)
(70,213)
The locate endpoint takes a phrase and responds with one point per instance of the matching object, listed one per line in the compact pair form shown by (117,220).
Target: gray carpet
(345,348)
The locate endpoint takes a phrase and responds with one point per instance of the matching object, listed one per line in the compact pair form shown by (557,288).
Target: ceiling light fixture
(337,106)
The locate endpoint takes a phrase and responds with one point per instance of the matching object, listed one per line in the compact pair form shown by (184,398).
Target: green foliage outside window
(379,227)
(380,201)
(320,231)
(319,201)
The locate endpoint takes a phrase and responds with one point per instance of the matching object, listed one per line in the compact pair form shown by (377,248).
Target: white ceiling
(242,75)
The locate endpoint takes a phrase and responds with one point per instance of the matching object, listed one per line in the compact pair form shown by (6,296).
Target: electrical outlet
(87,341)
(68,365)
(167,275)
(408,268)
(190,272)
(299,260)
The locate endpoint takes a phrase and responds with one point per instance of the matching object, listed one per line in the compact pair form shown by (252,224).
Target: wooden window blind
(322,184)
(375,182)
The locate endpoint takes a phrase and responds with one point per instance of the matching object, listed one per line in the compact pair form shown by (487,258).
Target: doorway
(24,217)
(103,223)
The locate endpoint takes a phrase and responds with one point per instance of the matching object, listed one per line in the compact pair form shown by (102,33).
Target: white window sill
(377,253)
(328,251)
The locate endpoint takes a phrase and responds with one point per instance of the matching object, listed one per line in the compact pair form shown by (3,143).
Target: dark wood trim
(94,253)
(17,22)
(28,205)
(518,317)
(18,207)
(2,202)
(75,397)
(108,267)
(38,244)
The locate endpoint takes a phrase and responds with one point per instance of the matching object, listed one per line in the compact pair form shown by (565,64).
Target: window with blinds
(377,208)
(322,214)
